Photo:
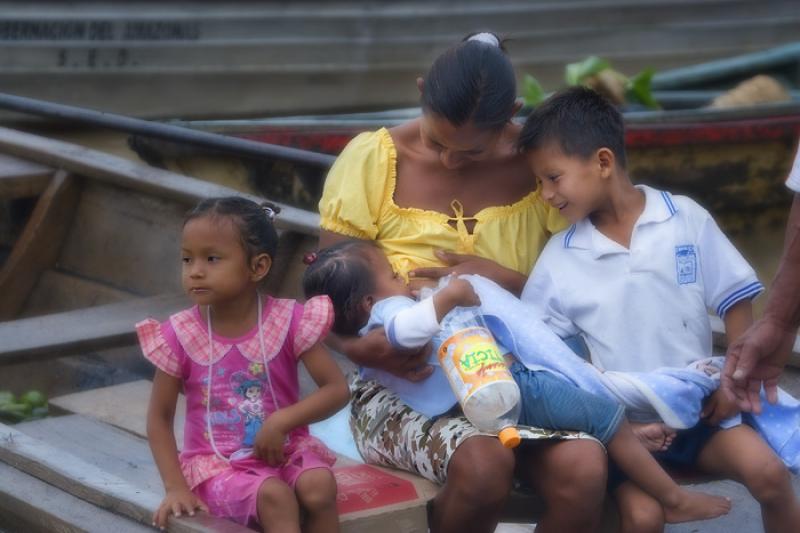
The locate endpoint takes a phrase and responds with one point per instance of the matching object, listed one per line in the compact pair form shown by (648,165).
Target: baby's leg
(680,505)
(741,454)
(656,437)
(316,491)
(277,507)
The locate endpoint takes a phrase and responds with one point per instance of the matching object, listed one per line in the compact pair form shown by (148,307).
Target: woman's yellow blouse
(358,201)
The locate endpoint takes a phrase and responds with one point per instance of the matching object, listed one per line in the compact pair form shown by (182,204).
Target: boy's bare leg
(680,505)
(740,454)
(656,437)
(571,478)
(638,511)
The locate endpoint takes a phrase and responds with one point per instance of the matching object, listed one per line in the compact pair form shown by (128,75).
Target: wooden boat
(246,58)
(98,230)
(91,256)
(733,161)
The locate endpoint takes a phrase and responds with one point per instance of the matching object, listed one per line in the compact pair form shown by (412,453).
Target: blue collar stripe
(748,291)
(568,236)
(668,201)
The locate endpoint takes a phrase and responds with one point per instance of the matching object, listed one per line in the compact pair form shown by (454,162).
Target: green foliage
(29,406)
(638,89)
(576,73)
(532,91)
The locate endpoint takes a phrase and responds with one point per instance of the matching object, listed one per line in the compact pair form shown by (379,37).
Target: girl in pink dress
(247,452)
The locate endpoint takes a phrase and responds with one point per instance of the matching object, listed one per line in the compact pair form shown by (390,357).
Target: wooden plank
(73,332)
(37,248)
(58,291)
(31,505)
(123,406)
(21,179)
(122,172)
(92,484)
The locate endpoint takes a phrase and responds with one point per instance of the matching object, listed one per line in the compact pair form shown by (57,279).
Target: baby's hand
(460,292)
(177,501)
(270,440)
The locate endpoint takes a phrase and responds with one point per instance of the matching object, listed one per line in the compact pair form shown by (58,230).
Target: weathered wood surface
(135,176)
(38,247)
(31,505)
(75,332)
(335,55)
(20,178)
(87,481)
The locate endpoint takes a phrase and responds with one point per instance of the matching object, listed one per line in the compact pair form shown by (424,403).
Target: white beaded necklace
(210,373)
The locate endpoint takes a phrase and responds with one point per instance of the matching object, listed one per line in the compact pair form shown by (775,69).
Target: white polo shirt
(644,307)
(793,181)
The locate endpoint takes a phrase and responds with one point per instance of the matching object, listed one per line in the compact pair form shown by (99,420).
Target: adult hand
(756,358)
(471,264)
(373,350)
(176,502)
(718,407)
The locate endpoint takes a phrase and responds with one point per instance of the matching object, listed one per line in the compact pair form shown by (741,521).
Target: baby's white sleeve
(414,326)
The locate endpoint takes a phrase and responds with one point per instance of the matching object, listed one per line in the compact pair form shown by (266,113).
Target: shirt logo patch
(686,264)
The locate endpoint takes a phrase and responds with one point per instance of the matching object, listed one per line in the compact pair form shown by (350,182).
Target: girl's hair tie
(270,210)
(487,38)
(309,257)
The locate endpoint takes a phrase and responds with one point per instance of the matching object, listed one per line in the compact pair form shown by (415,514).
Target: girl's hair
(343,273)
(253,221)
(472,81)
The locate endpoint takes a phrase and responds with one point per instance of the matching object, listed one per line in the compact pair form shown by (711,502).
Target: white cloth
(793,181)
(646,307)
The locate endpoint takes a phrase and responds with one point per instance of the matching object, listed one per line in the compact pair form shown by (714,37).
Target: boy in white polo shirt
(634,276)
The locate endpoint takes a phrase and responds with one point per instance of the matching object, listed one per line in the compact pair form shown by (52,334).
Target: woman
(443,193)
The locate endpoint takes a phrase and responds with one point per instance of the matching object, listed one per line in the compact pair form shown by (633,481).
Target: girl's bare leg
(277,507)
(316,492)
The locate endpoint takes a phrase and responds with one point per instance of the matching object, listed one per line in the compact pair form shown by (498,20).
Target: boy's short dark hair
(580,121)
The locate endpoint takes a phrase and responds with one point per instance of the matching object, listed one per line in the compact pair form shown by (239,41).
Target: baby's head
(575,145)
(354,274)
(227,246)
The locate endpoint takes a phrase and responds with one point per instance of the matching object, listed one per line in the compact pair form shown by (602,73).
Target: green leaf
(532,91)
(6,396)
(34,398)
(639,89)
(577,72)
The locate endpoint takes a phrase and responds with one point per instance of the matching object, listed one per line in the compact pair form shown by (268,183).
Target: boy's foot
(656,437)
(693,506)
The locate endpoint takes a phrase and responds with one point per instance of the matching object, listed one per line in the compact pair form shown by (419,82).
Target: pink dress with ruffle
(238,391)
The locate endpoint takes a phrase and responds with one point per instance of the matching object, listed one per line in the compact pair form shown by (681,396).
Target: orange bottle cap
(509,437)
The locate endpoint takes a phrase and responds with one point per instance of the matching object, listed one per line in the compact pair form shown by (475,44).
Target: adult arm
(458,264)
(373,350)
(760,354)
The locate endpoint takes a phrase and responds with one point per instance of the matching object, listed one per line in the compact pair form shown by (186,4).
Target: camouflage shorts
(387,432)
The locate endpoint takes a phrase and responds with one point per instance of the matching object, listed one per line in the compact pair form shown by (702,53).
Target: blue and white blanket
(674,395)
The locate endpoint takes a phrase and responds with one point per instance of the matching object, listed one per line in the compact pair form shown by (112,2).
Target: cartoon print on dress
(250,387)
(686,264)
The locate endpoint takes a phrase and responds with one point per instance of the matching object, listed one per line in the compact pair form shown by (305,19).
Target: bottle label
(471,359)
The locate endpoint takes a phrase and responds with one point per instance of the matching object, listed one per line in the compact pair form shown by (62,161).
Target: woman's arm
(332,395)
(161,437)
(374,351)
(509,279)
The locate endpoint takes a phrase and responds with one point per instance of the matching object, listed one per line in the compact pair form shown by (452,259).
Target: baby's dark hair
(472,81)
(253,221)
(580,121)
(343,273)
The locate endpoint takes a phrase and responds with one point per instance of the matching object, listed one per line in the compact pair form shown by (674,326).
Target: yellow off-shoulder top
(358,201)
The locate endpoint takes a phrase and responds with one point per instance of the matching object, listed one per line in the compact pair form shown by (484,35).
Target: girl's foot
(656,437)
(693,506)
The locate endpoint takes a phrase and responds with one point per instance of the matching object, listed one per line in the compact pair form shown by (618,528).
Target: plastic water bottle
(478,374)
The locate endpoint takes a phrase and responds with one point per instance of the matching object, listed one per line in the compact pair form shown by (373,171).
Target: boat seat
(75,332)
(20,178)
